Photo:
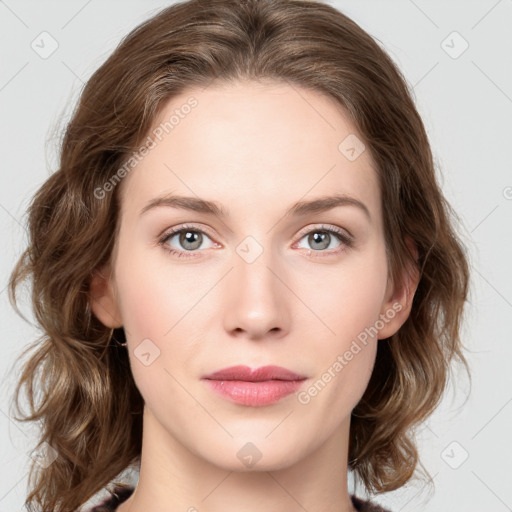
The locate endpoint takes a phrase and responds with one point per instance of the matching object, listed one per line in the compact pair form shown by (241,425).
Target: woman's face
(262,284)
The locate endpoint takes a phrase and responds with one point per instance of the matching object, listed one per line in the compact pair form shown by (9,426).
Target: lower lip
(254,394)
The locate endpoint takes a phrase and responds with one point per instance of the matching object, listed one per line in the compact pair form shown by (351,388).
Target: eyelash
(338,233)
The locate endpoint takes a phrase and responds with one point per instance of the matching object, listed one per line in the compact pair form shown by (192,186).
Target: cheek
(157,306)
(347,378)
(345,360)
(346,356)
(153,297)
(352,299)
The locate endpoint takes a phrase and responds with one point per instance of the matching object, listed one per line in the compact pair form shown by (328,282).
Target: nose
(257,301)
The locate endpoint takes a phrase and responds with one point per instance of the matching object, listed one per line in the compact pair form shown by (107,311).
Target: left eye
(189,239)
(320,239)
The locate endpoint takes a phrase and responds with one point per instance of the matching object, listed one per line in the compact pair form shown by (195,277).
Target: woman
(246,272)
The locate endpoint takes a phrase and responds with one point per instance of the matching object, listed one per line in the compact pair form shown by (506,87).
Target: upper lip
(261,374)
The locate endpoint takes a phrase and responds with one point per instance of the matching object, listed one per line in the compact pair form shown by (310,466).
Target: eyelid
(342,232)
(345,238)
(179,227)
(326,227)
(169,233)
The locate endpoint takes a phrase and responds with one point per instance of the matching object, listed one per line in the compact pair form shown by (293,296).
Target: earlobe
(102,298)
(397,307)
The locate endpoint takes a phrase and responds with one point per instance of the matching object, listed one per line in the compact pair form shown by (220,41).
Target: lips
(255,388)
(244,373)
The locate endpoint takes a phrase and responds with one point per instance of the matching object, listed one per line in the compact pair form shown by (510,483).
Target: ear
(103,300)
(397,306)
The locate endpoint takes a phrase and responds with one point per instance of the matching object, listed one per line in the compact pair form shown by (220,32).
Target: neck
(173,477)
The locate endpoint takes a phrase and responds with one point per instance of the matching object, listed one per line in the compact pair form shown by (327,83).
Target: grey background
(466,104)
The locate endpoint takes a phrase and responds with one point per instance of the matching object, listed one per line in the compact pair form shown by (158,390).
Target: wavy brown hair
(79,383)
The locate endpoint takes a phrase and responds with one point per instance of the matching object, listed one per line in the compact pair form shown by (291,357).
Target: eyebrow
(301,208)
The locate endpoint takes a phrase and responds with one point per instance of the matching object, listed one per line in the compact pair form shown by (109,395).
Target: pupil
(189,239)
(321,237)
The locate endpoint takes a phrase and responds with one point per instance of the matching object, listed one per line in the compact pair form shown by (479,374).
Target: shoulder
(366,506)
(110,504)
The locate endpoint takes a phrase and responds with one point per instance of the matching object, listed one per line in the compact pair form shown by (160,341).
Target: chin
(249,454)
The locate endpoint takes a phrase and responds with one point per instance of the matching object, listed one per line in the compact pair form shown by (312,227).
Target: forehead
(244,143)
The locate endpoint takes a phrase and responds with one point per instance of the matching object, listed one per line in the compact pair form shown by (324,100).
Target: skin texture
(255,149)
